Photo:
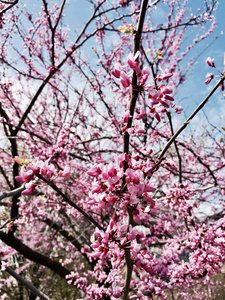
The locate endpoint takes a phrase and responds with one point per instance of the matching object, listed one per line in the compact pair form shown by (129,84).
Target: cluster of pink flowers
(120,71)
(159,96)
(27,174)
(109,181)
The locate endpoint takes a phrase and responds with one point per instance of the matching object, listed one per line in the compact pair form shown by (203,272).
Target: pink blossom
(124,79)
(94,171)
(29,188)
(25,176)
(34,169)
(131,60)
(46,170)
(144,76)
(66,172)
(178,109)
(210,62)
(209,77)
(141,115)
(126,116)
(117,70)
(99,187)
(166,75)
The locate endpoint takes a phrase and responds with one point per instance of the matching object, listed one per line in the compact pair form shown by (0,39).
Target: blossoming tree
(101,190)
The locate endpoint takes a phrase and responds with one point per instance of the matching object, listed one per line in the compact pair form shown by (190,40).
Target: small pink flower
(209,77)
(144,76)
(30,187)
(99,187)
(117,70)
(94,171)
(210,62)
(178,109)
(141,115)
(65,173)
(131,60)
(148,198)
(46,169)
(124,79)
(25,176)
(166,75)
(126,116)
(34,169)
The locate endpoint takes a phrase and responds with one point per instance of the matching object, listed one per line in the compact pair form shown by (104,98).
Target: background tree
(98,187)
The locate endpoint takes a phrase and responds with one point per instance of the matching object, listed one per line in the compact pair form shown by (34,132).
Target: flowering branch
(134,96)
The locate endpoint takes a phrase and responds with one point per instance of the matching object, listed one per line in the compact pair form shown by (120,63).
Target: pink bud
(210,62)
(117,70)
(94,171)
(112,171)
(34,169)
(164,76)
(30,187)
(126,116)
(167,97)
(20,179)
(124,79)
(209,77)
(116,73)
(131,61)
(26,176)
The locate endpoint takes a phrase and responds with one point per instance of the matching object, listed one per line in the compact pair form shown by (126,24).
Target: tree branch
(69,201)
(26,283)
(32,255)
(134,96)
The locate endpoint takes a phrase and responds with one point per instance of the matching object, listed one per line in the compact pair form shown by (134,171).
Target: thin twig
(69,201)
(201,105)
(27,283)
(176,147)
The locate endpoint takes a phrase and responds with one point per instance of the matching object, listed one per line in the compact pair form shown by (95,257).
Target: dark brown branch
(32,255)
(70,238)
(176,148)
(134,96)
(69,201)
(26,283)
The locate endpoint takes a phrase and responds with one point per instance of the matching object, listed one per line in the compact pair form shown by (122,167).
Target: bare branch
(11,193)
(201,105)
(26,283)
